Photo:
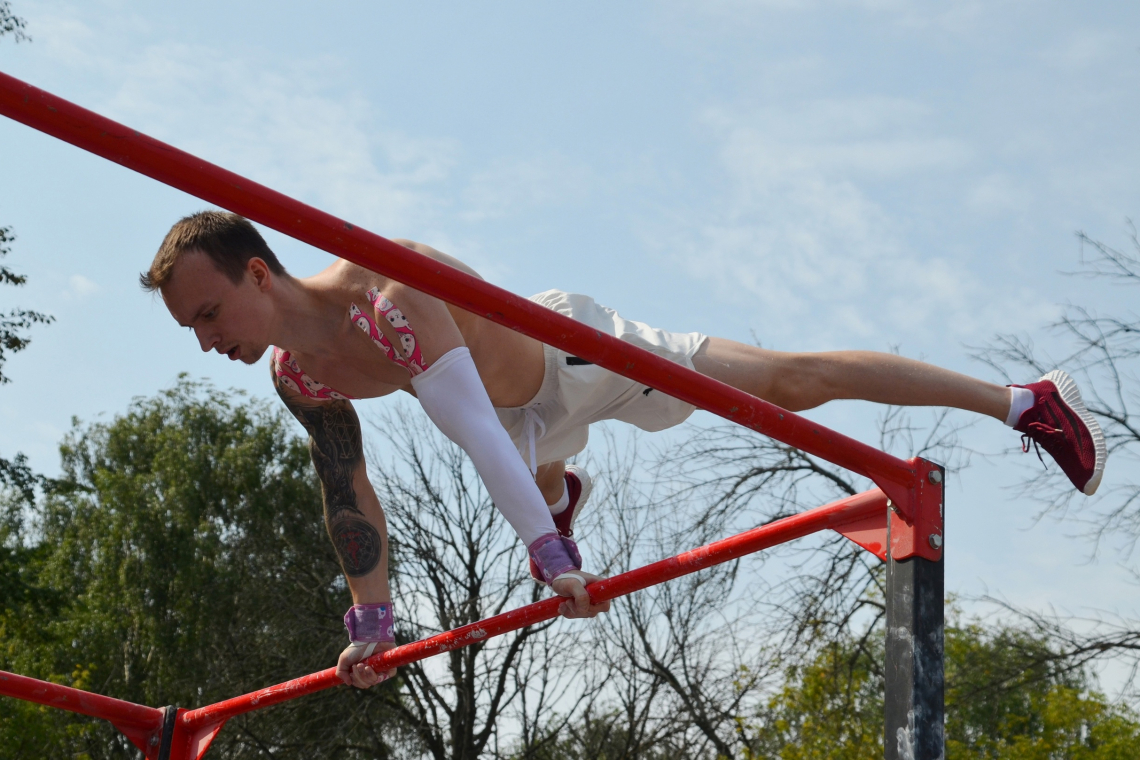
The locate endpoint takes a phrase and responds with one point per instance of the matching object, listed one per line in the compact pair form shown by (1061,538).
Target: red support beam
(139,723)
(837,516)
(116,142)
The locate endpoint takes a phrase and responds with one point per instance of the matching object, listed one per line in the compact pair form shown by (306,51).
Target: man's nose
(207,340)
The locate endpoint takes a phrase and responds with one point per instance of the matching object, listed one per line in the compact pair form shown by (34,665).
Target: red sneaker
(578,487)
(1059,423)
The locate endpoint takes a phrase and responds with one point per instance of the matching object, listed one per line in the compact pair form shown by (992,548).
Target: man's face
(232,319)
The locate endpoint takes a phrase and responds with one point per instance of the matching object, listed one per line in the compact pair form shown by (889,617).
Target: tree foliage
(15,323)
(10,23)
(180,559)
(1101,349)
(1009,696)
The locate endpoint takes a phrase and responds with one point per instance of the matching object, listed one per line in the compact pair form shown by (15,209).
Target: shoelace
(1036,429)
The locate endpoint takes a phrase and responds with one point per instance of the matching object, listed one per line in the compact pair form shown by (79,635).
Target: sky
(872,174)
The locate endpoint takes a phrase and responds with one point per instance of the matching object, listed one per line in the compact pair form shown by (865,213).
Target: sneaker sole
(584,496)
(1071,395)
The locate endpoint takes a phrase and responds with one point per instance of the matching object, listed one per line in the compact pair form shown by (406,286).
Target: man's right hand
(351,668)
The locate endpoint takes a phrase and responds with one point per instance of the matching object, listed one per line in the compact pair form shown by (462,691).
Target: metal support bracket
(191,744)
(915,529)
(146,741)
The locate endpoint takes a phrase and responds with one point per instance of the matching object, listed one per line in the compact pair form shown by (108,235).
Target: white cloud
(287,127)
(65,36)
(1084,48)
(999,194)
(80,287)
(283,129)
(508,186)
(954,16)
(303,128)
(798,232)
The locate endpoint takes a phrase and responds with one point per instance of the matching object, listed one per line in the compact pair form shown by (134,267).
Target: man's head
(215,272)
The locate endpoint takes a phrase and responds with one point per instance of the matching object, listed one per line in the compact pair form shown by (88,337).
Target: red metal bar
(836,515)
(139,723)
(92,132)
(76,700)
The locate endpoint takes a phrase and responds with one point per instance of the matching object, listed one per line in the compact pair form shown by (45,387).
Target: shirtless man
(519,408)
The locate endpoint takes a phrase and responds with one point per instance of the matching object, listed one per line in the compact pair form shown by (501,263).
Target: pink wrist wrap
(371,622)
(554,555)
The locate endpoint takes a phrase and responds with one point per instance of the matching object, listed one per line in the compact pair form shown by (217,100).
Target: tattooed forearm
(336,448)
(357,544)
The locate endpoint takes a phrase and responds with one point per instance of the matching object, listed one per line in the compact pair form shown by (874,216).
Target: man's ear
(259,271)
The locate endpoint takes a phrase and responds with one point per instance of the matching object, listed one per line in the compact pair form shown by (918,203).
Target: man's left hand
(578,604)
(351,667)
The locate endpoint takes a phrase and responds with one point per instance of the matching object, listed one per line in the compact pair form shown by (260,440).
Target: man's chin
(253,357)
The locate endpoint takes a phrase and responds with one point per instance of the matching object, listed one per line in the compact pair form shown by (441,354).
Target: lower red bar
(124,714)
(830,516)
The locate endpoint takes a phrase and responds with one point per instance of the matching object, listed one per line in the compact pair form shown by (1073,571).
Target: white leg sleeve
(453,396)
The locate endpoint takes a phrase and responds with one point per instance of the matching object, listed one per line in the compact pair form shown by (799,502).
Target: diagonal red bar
(835,515)
(116,142)
(76,700)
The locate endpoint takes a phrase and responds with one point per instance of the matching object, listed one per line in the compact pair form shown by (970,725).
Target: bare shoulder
(436,254)
(344,274)
(351,279)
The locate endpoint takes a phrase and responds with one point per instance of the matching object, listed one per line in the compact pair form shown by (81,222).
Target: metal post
(169,719)
(914,699)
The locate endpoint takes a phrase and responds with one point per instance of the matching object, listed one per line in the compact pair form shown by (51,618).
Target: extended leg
(798,381)
(1049,411)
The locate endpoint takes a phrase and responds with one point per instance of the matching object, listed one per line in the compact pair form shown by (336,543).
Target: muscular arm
(353,517)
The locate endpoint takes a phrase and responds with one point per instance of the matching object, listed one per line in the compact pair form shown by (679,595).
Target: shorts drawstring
(530,423)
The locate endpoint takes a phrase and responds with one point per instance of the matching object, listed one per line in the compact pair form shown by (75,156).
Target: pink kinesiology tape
(371,622)
(554,555)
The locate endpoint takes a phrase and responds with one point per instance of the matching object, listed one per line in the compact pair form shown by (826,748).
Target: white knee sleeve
(453,396)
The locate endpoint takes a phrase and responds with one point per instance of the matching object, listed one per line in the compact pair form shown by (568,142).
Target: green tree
(181,559)
(10,23)
(15,323)
(1009,696)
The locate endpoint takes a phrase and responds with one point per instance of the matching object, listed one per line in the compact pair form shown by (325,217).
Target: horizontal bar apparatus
(830,516)
(121,713)
(116,142)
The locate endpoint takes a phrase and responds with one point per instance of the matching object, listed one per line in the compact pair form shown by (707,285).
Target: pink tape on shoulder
(414,359)
(290,375)
(365,323)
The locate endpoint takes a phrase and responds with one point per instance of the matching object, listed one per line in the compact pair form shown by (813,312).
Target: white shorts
(554,425)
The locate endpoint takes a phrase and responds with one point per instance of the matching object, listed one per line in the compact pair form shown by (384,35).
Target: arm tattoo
(358,546)
(335,446)
(337,450)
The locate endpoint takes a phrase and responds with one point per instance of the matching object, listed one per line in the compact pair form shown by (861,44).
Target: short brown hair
(228,239)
